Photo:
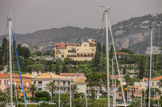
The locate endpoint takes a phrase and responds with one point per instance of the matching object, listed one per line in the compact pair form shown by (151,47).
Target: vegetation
(95,71)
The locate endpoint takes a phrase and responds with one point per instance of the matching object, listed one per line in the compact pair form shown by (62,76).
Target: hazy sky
(32,15)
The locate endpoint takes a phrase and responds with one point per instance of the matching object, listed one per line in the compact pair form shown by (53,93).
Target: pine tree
(57,69)
(111,52)
(64,68)
(142,70)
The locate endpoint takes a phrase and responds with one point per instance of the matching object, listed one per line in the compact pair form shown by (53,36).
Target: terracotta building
(83,51)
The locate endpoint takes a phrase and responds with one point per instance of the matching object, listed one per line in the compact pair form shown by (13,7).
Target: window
(85,45)
(34,82)
(39,83)
(40,89)
(152,83)
(62,55)
(63,83)
(0,82)
(5,82)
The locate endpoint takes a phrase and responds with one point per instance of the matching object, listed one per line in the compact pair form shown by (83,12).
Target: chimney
(39,72)
(34,74)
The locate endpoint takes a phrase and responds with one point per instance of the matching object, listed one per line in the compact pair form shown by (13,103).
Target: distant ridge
(127,34)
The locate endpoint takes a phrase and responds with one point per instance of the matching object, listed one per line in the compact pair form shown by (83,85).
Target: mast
(141,93)
(107,58)
(86,97)
(10,59)
(70,94)
(114,85)
(116,62)
(59,93)
(149,81)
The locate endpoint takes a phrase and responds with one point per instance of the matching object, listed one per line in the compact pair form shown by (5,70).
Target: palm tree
(74,89)
(51,87)
(73,51)
(33,88)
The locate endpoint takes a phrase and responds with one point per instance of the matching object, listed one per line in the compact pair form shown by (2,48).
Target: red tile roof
(72,74)
(3,76)
(116,76)
(155,78)
(59,44)
(72,43)
(121,53)
(15,76)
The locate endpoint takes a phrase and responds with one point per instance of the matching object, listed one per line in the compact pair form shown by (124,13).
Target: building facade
(3,82)
(79,81)
(83,51)
(41,80)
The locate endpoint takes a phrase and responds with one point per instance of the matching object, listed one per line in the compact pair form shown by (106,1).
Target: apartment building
(16,81)
(79,81)
(155,82)
(42,79)
(3,82)
(83,51)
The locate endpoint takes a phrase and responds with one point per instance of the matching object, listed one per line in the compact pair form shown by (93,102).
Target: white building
(155,50)
(79,80)
(42,79)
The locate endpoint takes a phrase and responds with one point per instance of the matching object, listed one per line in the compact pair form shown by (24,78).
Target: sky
(32,15)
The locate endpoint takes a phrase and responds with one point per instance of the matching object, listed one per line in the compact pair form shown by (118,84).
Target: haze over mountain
(133,33)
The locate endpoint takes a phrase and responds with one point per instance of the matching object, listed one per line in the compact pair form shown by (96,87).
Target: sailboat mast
(10,59)
(107,58)
(149,81)
(114,84)
(59,93)
(70,94)
(111,34)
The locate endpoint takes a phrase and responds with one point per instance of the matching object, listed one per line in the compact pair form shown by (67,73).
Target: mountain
(133,33)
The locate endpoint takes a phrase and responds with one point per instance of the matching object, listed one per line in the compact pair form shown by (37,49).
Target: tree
(160,84)
(57,68)
(51,87)
(67,60)
(65,68)
(136,103)
(111,52)
(33,88)
(74,89)
(3,98)
(141,67)
(19,51)
(93,80)
(42,95)
(126,51)
(124,70)
(23,51)
(97,59)
(5,48)
(127,78)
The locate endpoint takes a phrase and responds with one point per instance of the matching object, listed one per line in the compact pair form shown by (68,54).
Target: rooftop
(80,80)
(121,53)
(155,78)
(14,76)
(50,75)
(3,75)
(72,74)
